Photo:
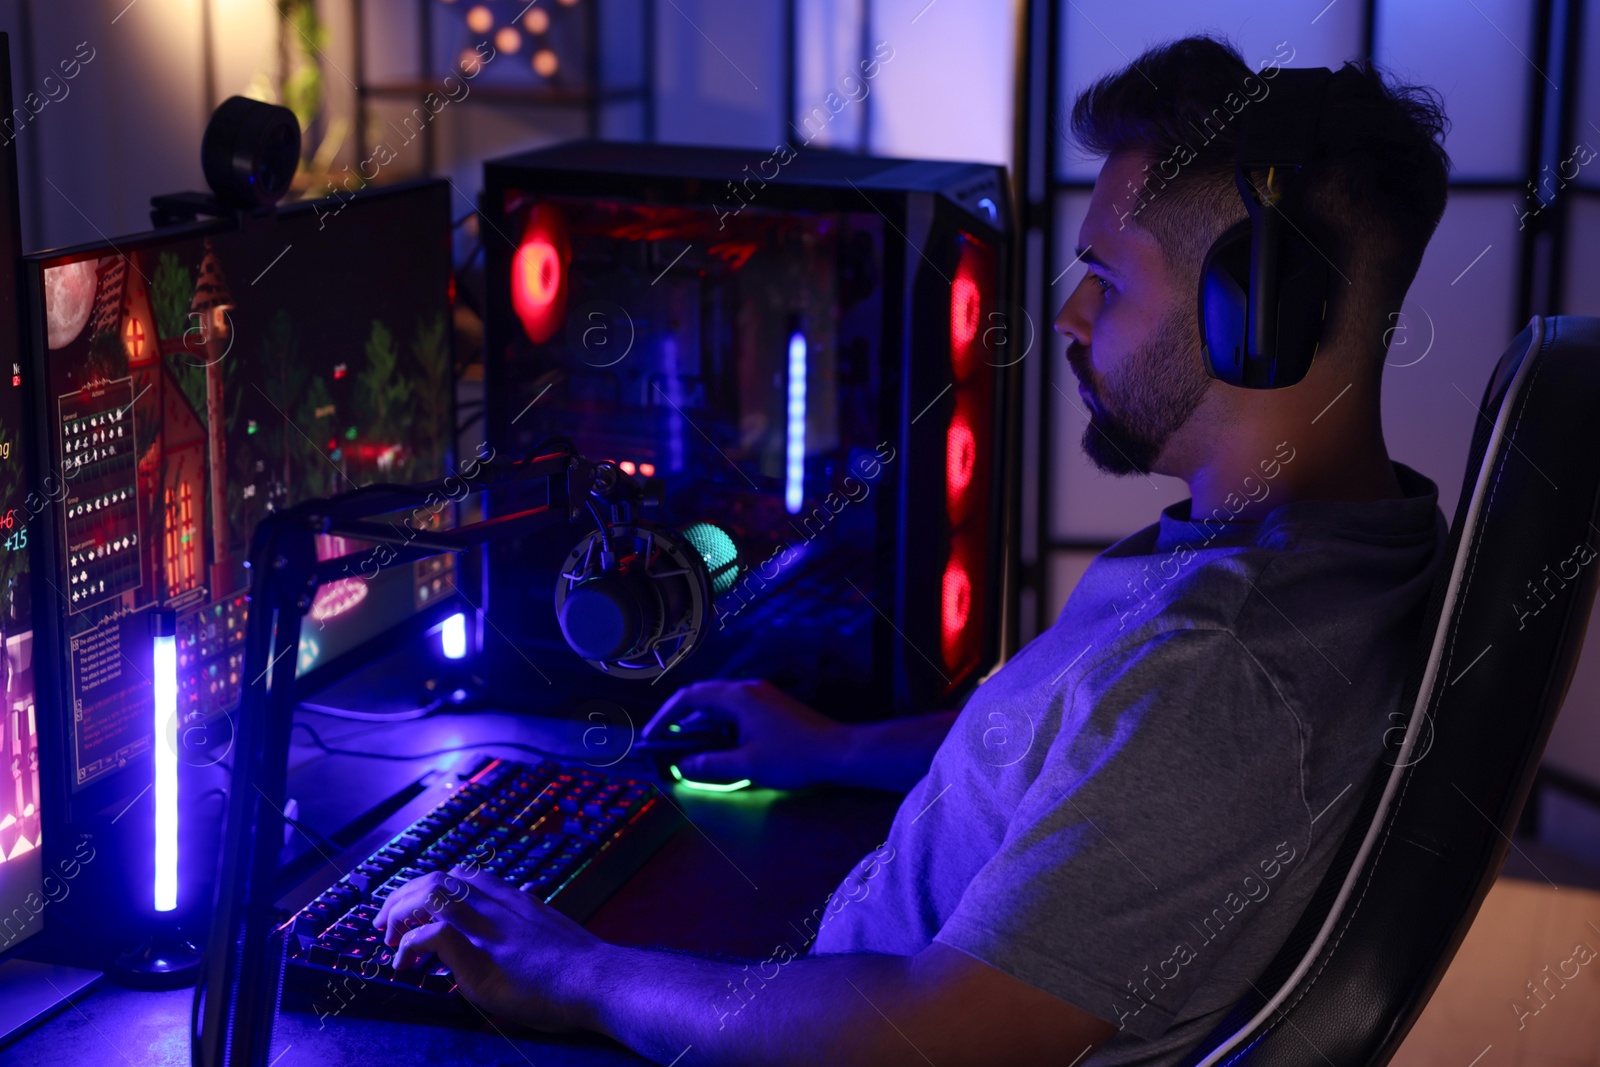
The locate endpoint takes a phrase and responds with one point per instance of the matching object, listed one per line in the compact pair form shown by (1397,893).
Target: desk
(743,877)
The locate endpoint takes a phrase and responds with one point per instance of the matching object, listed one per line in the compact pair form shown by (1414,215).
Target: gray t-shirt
(1133,812)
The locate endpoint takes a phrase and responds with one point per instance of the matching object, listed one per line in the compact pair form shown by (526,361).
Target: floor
(1524,988)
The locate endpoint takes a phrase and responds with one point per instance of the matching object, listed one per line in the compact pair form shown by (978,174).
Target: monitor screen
(23,888)
(20,864)
(197,379)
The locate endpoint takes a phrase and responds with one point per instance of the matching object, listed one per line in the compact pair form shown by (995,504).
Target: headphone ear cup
(1224,307)
(1303,279)
(1224,300)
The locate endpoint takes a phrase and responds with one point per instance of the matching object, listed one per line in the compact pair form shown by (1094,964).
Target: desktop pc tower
(806,354)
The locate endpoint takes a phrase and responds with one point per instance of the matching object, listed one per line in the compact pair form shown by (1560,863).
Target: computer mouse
(693,733)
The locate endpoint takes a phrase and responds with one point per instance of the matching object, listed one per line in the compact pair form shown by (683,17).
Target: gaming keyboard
(567,834)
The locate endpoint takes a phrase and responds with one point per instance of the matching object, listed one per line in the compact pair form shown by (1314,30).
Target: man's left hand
(511,954)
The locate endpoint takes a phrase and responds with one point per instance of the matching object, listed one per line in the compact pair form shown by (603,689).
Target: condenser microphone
(634,599)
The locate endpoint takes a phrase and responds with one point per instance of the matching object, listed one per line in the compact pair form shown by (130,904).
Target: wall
(127,127)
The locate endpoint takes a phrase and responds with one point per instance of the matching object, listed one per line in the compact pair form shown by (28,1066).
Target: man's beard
(1154,393)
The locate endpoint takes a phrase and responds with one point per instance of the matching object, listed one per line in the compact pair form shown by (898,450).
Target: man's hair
(1369,200)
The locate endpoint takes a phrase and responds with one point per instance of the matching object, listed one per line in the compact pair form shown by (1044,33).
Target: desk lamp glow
(453,636)
(457,678)
(165,959)
(795,472)
(165,790)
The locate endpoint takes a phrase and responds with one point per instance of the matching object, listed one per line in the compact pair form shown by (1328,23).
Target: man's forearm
(784,1010)
(893,754)
(939,1006)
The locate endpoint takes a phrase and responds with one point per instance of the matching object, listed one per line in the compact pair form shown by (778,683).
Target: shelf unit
(591,98)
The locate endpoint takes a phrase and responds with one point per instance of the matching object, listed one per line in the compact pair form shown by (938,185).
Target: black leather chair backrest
(1498,646)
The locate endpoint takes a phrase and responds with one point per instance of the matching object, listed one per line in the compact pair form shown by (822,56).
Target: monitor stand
(30,991)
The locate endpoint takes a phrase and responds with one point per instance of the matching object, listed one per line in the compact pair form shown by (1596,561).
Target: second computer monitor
(24,885)
(198,378)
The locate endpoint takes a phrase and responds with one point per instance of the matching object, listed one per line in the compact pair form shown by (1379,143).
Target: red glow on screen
(337,597)
(539,276)
(955,608)
(960,456)
(342,594)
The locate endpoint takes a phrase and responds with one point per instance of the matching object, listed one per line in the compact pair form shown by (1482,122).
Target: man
(1108,843)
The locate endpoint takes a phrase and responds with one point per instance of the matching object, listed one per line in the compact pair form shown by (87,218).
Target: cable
(317,740)
(373,716)
(314,836)
(605,532)
(561,439)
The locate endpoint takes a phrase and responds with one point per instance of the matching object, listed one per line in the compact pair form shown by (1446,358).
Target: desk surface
(741,878)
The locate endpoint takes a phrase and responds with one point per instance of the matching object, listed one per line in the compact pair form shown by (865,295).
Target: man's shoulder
(1182,588)
(1258,590)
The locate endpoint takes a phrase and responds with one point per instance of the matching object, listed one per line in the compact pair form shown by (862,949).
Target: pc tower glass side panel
(646,301)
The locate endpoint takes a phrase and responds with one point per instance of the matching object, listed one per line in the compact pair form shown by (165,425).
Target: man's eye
(1100,281)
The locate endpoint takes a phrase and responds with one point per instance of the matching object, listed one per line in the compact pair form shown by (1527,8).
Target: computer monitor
(814,354)
(196,378)
(22,885)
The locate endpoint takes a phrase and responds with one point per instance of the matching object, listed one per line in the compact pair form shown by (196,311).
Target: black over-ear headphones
(1263,285)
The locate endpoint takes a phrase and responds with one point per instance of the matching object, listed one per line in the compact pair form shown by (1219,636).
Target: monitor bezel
(112,791)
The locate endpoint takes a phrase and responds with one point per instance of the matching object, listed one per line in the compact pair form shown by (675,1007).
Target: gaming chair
(1496,653)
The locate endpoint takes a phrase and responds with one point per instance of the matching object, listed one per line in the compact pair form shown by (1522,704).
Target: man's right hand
(782,742)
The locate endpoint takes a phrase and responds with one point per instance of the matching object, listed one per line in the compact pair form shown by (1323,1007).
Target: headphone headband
(1281,131)
(1263,286)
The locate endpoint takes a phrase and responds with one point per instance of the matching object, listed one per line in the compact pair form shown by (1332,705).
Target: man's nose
(1074,320)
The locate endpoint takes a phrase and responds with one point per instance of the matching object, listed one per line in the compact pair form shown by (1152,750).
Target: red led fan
(539,274)
(955,609)
(961,455)
(966,308)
